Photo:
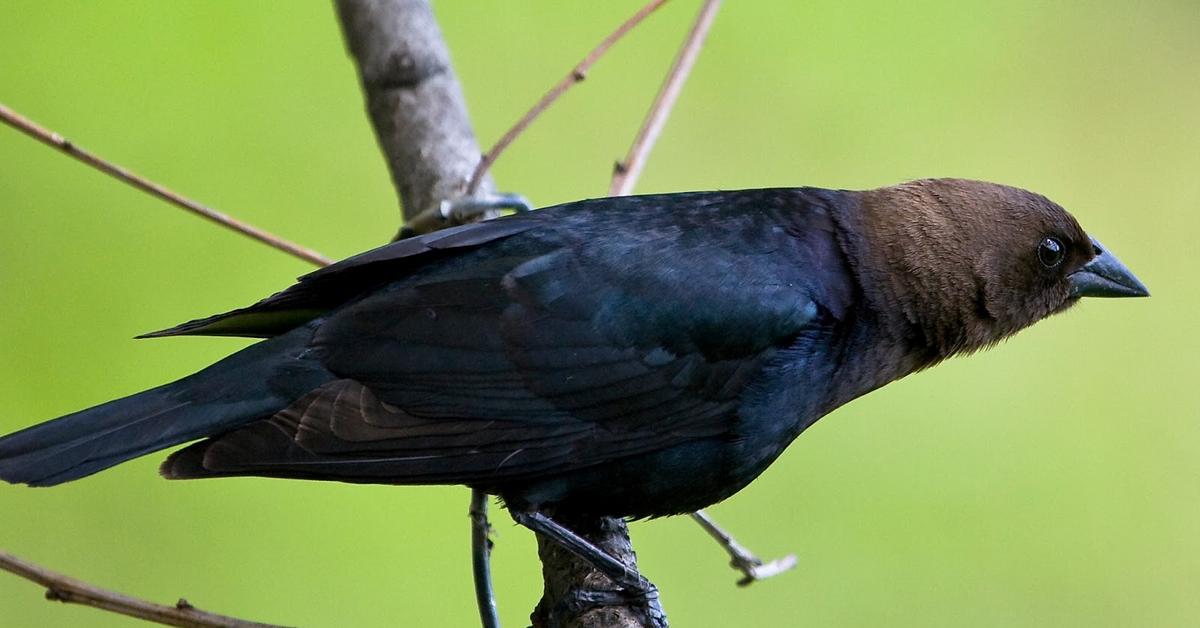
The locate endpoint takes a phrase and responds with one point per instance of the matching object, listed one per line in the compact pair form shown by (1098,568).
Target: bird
(633,357)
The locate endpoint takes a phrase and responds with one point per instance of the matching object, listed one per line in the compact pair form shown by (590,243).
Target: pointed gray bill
(1105,276)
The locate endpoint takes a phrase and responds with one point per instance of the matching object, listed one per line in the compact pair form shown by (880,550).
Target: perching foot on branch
(581,601)
(462,210)
(628,579)
(634,590)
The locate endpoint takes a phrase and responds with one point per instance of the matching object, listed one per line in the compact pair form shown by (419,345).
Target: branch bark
(564,575)
(415,102)
(420,119)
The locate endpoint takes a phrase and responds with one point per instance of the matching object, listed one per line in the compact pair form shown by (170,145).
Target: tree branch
(420,120)
(627,171)
(54,140)
(564,576)
(415,103)
(60,588)
(576,75)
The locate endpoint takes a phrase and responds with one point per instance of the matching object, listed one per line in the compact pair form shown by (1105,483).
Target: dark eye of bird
(1051,251)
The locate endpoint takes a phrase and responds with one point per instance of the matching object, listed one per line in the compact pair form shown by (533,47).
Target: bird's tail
(248,385)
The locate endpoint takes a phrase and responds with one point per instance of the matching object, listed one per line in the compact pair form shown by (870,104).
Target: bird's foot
(579,601)
(634,588)
(752,567)
(624,576)
(462,210)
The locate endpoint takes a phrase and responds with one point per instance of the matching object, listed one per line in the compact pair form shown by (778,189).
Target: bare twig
(577,74)
(742,559)
(627,171)
(60,588)
(50,138)
(481,564)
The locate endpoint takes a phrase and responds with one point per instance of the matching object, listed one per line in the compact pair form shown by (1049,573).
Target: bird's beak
(1105,276)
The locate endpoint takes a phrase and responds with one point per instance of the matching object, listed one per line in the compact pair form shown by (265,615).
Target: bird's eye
(1051,251)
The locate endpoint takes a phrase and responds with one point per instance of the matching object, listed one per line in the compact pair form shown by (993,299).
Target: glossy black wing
(570,345)
(318,292)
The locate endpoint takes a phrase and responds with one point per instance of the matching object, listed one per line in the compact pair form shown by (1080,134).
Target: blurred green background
(1054,481)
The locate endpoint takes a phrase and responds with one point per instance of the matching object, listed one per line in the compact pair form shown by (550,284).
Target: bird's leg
(752,567)
(461,210)
(481,551)
(628,579)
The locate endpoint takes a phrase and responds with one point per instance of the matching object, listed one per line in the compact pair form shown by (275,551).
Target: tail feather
(251,384)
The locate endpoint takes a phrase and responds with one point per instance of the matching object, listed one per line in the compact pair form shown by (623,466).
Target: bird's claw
(462,210)
(579,601)
(468,208)
(754,569)
(583,599)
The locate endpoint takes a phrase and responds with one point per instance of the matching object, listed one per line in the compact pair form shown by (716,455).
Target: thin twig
(577,74)
(627,171)
(752,567)
(60,588)
(481,564)
(50,138)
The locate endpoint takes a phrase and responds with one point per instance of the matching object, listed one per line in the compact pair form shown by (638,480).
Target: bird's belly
(677,480)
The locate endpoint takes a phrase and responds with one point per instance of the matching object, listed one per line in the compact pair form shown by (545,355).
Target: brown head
(959,265)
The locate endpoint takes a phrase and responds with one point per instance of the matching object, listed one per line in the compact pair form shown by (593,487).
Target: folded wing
(550,350)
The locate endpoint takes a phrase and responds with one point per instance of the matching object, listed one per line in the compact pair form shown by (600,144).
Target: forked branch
(577,74)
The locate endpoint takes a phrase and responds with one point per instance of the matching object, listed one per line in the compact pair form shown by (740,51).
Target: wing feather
(541,353)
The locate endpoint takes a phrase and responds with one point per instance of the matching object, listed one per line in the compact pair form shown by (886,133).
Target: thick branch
(565,575)
(60,588)
(414,99)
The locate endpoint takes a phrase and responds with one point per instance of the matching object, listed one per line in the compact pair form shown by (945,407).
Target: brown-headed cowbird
(631,357)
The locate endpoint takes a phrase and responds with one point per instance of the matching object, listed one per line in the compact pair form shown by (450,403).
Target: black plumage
(636,356)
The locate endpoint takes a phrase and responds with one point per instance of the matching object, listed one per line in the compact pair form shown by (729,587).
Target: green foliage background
(1054,481)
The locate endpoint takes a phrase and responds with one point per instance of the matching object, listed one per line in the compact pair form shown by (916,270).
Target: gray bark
(414,99)
(563,573)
